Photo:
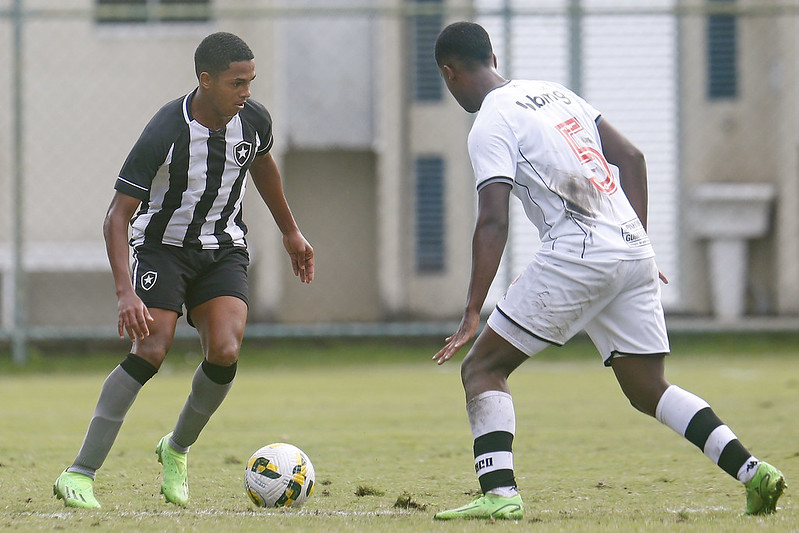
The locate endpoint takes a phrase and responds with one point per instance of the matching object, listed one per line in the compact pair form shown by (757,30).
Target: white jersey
(543,139)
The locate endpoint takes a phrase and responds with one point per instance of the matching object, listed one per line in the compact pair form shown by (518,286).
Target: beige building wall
(333,198)
(786,221)
(741,140)
(390,145)
(441,128)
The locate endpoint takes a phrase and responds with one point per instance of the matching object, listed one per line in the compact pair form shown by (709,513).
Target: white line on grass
(64,515)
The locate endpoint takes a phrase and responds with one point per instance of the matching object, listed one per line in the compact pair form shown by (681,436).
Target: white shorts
(616,302)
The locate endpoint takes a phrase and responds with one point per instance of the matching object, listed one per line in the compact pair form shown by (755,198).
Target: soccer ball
(279,475)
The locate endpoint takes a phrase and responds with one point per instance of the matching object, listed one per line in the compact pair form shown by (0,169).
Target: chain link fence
(706,88)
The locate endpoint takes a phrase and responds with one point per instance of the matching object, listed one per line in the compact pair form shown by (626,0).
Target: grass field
(387,433)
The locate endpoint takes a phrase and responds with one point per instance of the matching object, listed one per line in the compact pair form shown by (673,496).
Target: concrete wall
(743,140)
(333,198)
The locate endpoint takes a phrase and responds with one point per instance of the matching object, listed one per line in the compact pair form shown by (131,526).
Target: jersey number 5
(603,177)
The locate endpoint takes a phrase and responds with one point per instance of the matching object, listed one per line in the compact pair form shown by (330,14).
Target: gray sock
(205,398)
(117,395)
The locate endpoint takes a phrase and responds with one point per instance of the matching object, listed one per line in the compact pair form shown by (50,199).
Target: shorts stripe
(621,355)
(503,313)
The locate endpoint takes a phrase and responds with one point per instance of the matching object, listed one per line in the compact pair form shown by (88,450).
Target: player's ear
(205,80)
(495,60)
(447,73)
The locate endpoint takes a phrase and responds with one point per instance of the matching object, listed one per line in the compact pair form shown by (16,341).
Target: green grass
(388,436)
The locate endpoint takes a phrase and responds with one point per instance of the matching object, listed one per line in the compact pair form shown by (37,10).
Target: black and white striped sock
(692,417)
(493,422)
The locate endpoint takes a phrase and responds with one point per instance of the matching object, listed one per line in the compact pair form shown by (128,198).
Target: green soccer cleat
(77,490)
(488,506)
(763,490)
(175,483)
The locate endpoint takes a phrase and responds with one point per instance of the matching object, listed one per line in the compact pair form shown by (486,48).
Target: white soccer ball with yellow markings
(279,475)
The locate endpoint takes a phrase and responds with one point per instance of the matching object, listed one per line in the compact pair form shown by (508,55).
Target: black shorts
(169,277)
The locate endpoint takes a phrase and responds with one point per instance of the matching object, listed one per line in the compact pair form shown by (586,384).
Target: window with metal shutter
(430,230)
(425,27)
(722,72)
(151,11)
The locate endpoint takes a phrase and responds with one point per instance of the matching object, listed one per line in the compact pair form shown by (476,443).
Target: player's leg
(217,304)
(492,418)
(76,484)
(220,323)
(638,361)
(515,331)
(641,379)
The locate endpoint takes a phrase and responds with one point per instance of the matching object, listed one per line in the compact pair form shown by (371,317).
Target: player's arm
(488,243)
(619,151)
(133,314)
(266,177)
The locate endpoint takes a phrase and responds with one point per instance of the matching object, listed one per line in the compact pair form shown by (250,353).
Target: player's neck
(204,112)
(489,80)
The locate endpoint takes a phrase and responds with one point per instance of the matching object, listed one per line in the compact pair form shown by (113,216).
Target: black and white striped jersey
(191,180)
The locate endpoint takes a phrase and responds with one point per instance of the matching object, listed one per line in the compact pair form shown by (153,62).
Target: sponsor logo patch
(634,234)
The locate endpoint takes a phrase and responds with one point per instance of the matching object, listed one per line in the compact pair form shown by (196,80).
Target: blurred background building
(373,149)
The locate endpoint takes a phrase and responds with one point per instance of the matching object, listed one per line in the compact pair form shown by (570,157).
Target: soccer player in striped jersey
(595,269)
(181,190)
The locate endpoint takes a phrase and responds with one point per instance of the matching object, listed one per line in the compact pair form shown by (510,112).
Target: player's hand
(133,317)
(466,330)
(301,254)
(663,278)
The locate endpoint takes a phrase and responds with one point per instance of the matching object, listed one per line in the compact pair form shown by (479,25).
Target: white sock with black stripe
(493,422)
(692,417)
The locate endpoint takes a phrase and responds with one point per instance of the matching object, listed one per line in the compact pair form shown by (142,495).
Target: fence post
(19,333)
(576,46)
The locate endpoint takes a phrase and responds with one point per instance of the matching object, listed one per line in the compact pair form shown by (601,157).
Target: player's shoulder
(255,111)
(495,108)
(168,120)
(174,110)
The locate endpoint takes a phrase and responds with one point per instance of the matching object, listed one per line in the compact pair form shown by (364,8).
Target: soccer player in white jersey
(181,191)
(595,269)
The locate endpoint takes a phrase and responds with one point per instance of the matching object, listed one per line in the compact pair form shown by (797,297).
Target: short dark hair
(464,41)
(217,51)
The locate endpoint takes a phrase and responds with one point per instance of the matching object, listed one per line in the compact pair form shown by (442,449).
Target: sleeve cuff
(495,179)
(131,189)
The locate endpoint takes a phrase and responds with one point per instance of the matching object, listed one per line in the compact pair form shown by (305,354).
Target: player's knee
(153,353)
(468,369)
(223,353)
(481,367)
(639,407)
(643,401)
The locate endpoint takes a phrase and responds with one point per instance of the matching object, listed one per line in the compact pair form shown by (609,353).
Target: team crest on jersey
(242,152)
(148,279)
